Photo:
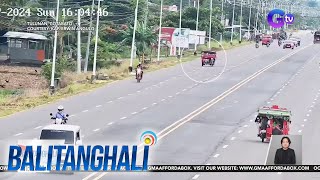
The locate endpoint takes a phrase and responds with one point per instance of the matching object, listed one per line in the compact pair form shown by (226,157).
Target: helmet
(60,108)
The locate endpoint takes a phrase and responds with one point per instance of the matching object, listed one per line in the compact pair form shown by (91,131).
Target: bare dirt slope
(20,77)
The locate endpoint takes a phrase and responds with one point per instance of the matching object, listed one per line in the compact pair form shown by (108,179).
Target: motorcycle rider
(139,66)
(60,114)
(279,41)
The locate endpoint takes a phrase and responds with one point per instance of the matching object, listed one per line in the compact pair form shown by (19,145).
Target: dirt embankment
(19,77)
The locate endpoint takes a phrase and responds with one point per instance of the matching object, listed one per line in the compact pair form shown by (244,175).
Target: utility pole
(197,24)
(222,19)
(89,40)
(146,16)
(134,36)
(160,26)
(79,45)
(256,26)
(249,26)
(180,26)
(52,89)
(210,26)
(96,43)
(234,6)
(241,22)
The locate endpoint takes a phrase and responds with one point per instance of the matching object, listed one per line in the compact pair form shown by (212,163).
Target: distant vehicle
(208,58)
(139,75)
(288,44)
(297,39)
(316,38)
(273,121)
(266,40)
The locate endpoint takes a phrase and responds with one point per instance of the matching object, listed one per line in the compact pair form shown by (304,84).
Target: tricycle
(266,40)
(273,121)
(208,57)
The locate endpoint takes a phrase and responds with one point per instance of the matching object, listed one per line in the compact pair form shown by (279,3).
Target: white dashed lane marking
(225,146)
(38,127)
(134,113)
(245,126)
(163,99)
(196,176)
(233,138)
(178,93)
(305,120)
(96,130)
(144,108)
(120,97)
(217,155)
(110,101)
(299,131)
(98,106)
(240,131)
(123,118)
(110,123)
(18,134)
(154,103)
(85,110)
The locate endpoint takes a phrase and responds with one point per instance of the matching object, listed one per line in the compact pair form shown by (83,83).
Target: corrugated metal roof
(24,35)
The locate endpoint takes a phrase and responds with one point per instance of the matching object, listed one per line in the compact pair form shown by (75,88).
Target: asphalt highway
(220,132)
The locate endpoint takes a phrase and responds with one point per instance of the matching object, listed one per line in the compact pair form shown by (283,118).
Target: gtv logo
(288,18)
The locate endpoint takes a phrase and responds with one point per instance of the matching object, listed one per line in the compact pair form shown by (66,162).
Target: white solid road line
(38,127)
(209,104)
(196,176)
(18,134)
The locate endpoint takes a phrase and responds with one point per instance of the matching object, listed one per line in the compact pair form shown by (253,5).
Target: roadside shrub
(61,65)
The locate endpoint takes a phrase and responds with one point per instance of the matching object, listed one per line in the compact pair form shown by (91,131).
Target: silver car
(288,44)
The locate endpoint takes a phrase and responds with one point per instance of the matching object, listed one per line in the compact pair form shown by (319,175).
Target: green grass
(15,101)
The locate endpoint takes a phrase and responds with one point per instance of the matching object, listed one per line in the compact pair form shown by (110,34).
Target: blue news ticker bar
(206,168)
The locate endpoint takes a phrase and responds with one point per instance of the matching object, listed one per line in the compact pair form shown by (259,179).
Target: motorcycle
(59,120)
(139,75)
(257,45)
